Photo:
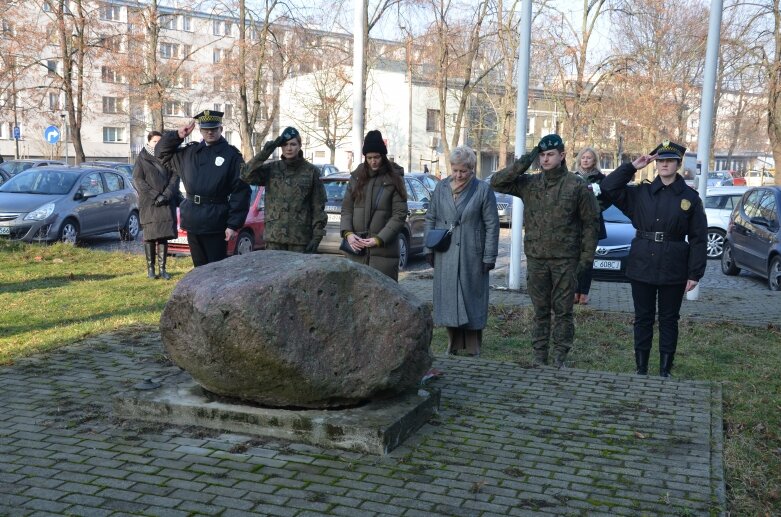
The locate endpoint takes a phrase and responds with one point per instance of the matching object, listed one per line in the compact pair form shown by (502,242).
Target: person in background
(158,195)
(588,169)
(461,272)
(217,200)
(374,208)
(560,217)
(668,254)
(295,195)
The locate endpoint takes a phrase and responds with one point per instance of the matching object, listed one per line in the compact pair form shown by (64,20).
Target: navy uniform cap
(669,150)
(209,119)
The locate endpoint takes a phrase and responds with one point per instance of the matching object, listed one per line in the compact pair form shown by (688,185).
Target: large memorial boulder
(292,330)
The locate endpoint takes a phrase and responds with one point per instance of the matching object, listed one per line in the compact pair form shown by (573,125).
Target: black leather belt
(200,200)
(659,236)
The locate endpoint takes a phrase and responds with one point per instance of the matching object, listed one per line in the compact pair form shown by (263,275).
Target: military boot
(162,256)
(665,364)
(149,251)
(540,358)
(641,360)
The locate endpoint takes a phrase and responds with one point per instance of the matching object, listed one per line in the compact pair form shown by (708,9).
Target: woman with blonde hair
(588,168)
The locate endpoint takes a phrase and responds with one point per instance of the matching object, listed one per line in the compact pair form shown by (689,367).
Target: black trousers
(207,247)
(669,298)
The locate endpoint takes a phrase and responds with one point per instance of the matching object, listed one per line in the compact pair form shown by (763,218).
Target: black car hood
(618,234)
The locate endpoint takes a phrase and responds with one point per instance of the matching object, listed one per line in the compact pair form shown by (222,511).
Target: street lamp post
(65,135)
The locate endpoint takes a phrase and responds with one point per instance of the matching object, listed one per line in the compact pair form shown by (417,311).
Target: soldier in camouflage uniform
(295,195)
(561,220)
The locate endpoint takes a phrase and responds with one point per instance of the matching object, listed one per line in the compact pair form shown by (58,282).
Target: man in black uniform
(668,254)
(217,200)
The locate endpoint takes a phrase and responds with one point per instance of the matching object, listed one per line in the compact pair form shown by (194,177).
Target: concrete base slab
(375,427)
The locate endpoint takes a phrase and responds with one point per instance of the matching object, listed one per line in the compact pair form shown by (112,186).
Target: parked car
(411,236)
(612,253)
(753,240)
(504,205)
(250,237)
(126,168)
(429,180)
(4,176)
(14,167)
(716,179)
(719,204)
(66,203)
(758,178)
(326,169)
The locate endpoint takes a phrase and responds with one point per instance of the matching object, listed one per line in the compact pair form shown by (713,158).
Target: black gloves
(270,146)
(312,246)
(430,259)
(161,200)
(488,266)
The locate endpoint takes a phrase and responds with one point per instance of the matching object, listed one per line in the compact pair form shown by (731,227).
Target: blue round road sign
(52,134)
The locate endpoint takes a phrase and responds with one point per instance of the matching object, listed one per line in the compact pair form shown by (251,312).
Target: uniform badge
(219,161)
(685,204)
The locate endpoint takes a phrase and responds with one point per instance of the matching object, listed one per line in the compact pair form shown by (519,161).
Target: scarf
(149,149)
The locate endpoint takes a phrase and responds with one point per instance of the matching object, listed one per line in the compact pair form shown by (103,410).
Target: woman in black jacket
(669,252)
(158,193)
(588,169)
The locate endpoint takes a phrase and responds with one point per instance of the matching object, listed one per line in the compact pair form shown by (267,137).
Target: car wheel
(245,243)
(403,251)
(69,232)
(132,227)
(728,266)
(715,242)
(774,274)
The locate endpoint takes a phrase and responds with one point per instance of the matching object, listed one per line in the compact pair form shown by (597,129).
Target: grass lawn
(55,295)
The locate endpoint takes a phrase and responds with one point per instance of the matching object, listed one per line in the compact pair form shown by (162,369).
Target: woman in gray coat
(461,272)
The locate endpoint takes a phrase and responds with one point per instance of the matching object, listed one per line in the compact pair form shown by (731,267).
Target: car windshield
(14,168)
(614,215)
(334,190)
(718,175)
(41,181)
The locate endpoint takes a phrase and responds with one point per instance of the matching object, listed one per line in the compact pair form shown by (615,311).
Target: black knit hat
(373,143)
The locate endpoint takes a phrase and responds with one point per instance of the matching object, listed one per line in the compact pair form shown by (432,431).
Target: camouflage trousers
(285,247)
(551,287)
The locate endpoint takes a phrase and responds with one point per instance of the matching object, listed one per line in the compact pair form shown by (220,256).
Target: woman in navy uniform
(668,254)
(217,200)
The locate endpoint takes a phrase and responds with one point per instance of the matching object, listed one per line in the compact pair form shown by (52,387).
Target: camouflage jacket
(560,214)
(295,198)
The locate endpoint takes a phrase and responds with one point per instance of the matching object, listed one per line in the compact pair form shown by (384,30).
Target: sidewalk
(507,441)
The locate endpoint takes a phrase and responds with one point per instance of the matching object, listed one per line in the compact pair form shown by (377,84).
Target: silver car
(65,203)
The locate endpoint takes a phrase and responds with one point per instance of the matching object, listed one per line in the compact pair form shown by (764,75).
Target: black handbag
(438,239)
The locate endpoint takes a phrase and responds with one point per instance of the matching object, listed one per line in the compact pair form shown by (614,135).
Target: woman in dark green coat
(374,208)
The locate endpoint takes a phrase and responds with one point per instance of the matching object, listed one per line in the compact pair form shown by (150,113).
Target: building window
(217,106)
(112,43)
(187,51)
(216,26)
(47,8)
(172,108)
(228,136)
(113,134)
(169,50)
(228,111)
(322,118)
(112,105)
(185,80)
(227,26)
(217,56)
(432,120)
(187,23)
(168,21)
(7,28)
(109,12)
(54,101)
(187,109)
(51,67)
(109,75)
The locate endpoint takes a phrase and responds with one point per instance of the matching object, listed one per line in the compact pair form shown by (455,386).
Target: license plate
(5,230)
(608,264)
(334,218)
(178,240)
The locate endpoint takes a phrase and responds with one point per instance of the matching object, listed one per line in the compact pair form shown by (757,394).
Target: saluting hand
(186,129)
(644,160)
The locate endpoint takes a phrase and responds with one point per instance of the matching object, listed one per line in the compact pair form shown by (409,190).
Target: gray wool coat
(460,284)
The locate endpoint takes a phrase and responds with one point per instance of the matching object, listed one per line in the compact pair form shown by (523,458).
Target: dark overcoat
(384,221)
(677,211)
(210,172)
(460,283)
(151,179)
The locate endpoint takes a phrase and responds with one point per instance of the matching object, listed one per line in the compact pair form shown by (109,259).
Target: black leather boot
(641,360)
(162,256)
(149,251)
(665,364)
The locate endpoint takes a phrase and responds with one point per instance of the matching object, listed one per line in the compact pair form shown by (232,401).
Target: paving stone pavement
(507,441)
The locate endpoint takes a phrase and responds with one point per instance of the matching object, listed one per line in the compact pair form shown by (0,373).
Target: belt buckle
(658,236)
(197,199)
